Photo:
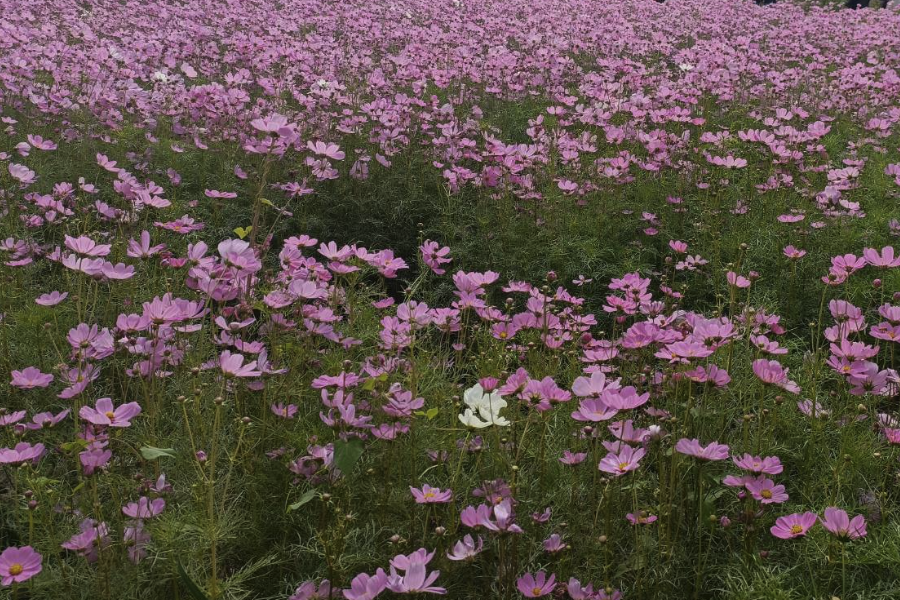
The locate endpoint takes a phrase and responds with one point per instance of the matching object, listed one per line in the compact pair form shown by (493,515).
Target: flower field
(475,298)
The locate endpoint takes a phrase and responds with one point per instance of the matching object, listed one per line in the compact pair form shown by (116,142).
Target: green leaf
(192,588)
(266,201)
(309,495)
(243,232)
(432,413)
(346,453)
(151,453)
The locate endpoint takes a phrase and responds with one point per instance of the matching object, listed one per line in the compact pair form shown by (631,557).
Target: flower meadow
(474,298)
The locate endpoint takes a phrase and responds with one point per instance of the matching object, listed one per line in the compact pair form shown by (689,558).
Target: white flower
(160,76)
(488,407)
(686,67)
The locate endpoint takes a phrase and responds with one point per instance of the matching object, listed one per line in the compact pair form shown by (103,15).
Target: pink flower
(144,508)
(51,299)
(765,491)
(415,579)
(678,246)
(328,150)
(285,412)
(21,453)
(771,372)
(104,413)
(793,526)
(91,460)
(572,458)
(366,587)
(554,544)
(847,264)
(640,518)
(434,256)
(738,281)
(30,378)
(466,549)
(770,465)
(18,565)
(713,451)
(627,459)
(884,259)
(794,253)
(22,174)
(89,540)
(837,522)
(142,248)
(537,585)
(232,365)
(431,495)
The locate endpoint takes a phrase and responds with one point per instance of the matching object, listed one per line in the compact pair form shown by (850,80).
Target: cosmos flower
(793,526)
(19,564)
(712,451)
(536,585)
(104,413)
(466,549)
(839,524)
(431,495)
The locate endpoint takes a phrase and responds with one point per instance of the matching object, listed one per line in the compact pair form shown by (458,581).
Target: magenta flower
(23,452)
(91,460)
(641,518)
(838,523)
(713,451)
(232,365)
(91,538)
(555,543)
(285,412)
(572,458)
(466,549)
(45,420)
(627,459)
(793,526)
(884,259)
(502,513)
(537,585)
(738,281)
(770,465)
(309,591)
(144,508)
(771,372)
(794,253)
(434,256)
(415,579)
(19,564)
(51,299)
(765,491)
(431,495)
(30,378)
(366,587)
(104,413)
(136,539)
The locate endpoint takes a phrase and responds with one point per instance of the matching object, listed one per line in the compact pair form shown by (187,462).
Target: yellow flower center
(536,592)
(16,569)
(795,529)
(767,494)
(503,335)
(110,415)
(623,466)
(429,494)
